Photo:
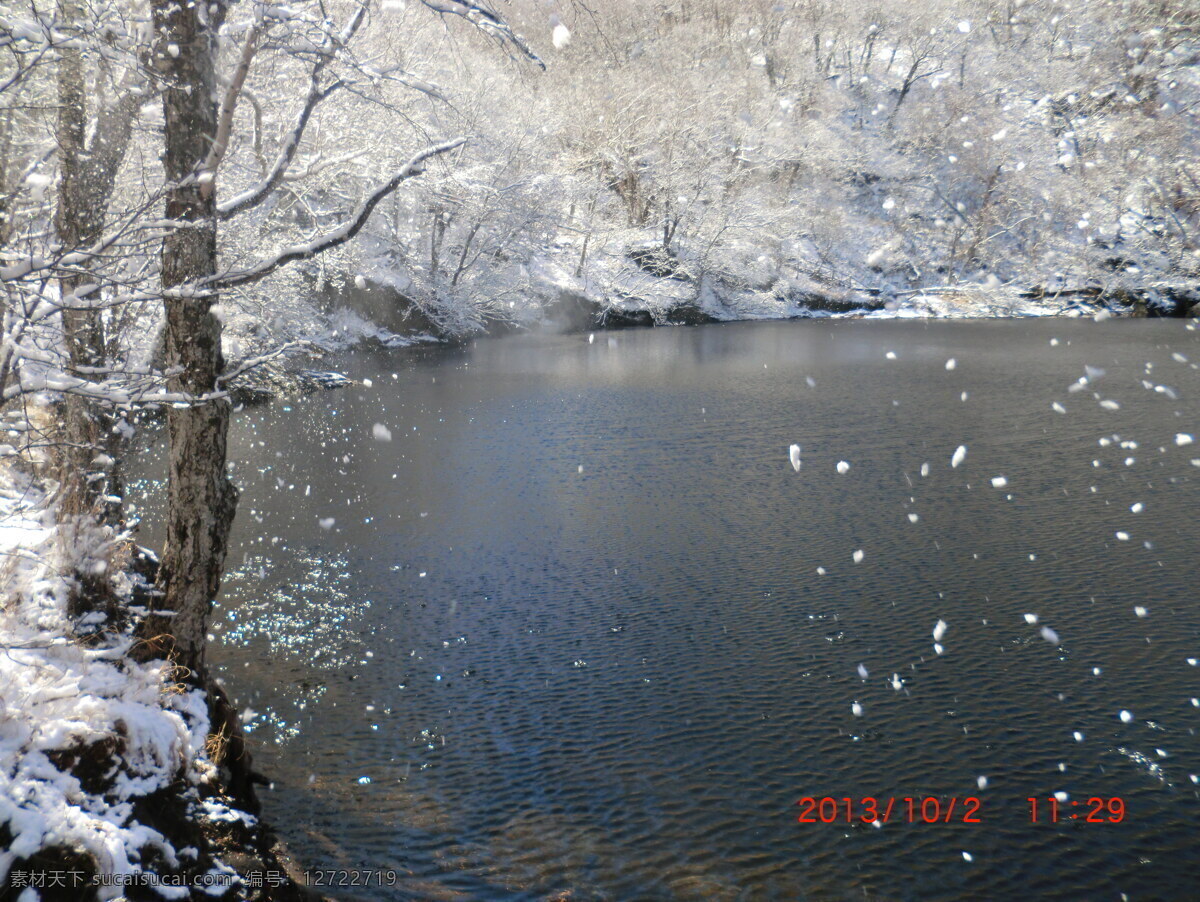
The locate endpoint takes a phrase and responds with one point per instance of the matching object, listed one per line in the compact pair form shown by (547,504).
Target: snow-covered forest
(198,200)
(756,159)
(732,160)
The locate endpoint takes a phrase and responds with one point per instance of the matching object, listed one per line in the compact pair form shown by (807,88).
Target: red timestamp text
(894,809)
(1095,810)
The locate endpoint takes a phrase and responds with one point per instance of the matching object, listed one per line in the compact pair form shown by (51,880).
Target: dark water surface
(566,633)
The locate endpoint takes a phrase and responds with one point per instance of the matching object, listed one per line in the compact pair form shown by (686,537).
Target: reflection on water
(571,626)
(313,616)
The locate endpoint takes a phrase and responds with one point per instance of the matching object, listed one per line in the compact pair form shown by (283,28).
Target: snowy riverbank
(108,786)
(334,309)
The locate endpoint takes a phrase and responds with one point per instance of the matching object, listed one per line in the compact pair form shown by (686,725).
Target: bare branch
(318,164)
(291,144)
(251,363)
(486,21)
(287,153)
(225,115)
(343,233)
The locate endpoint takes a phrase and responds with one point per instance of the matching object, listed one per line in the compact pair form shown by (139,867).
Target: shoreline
(577,315)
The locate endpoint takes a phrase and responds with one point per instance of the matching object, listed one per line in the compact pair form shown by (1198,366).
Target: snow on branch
(228,105)
(29,265)
(120,387)
(251,363)
(486,21)
(287,153)
(255,195)
(343,233)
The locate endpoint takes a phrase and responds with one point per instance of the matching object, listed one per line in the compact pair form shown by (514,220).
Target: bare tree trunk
(437,234)
(201,500)
(587,237)
(909,80)
(87,175)
(77,223)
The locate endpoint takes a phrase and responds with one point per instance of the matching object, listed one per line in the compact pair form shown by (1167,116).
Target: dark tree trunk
(201,499)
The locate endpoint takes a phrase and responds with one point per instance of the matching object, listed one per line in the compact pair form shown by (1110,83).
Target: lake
(551,617)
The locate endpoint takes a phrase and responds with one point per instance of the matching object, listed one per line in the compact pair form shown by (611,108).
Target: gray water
(566,636)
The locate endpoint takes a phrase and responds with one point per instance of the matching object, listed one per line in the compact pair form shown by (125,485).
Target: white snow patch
(60,694)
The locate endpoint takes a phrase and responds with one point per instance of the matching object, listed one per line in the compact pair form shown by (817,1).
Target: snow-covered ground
(100,757)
